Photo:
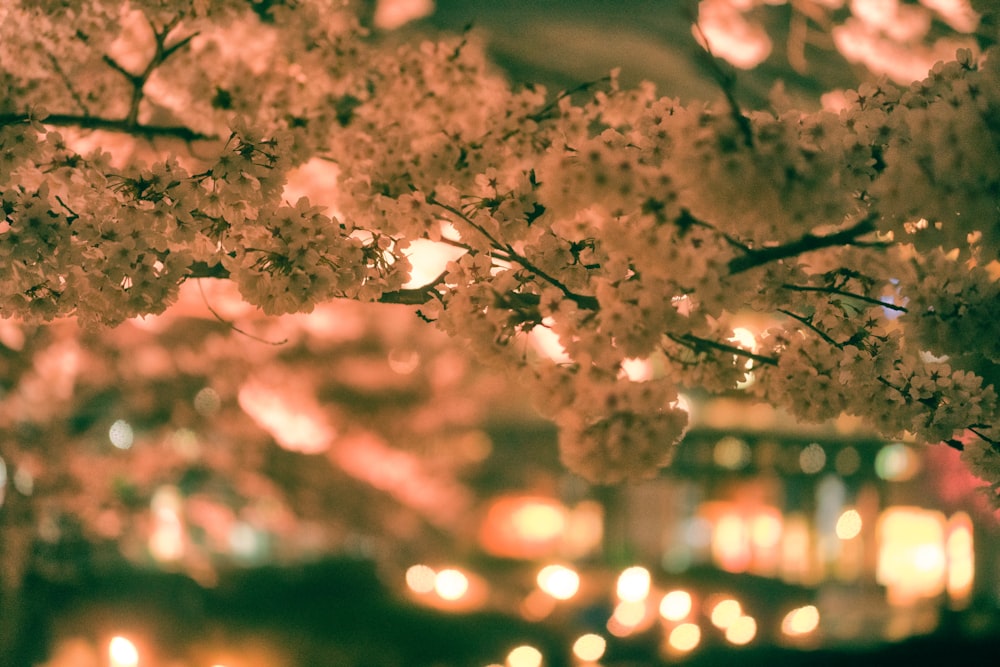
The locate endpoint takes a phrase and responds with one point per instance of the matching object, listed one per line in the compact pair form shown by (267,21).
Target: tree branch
(807,321)
(111,124)
(582,300)
(807,243)
(699,344)
(851,295)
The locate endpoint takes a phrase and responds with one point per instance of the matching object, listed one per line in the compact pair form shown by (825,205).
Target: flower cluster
(628,225)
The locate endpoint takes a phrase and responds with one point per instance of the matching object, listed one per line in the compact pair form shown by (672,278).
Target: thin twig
(851,295)
(232,326)
(725,81)
(808,323)
(66,81)
(582,300)
(698,343)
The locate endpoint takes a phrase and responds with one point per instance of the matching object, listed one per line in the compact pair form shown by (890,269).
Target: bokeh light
(207,402)
(559,581)
(633,584)
(812,459)
(122,652)
(590,647)
(421,578)
(675,605)
(896,463)
(685,637)
(524,656)
(849,525)
(725,612)
(800,621)
(742,630)
(121,434)
(451,584)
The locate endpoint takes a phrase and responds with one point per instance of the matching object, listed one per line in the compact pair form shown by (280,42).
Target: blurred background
(212,488)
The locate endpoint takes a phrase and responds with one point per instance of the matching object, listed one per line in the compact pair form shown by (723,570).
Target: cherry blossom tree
(151,145)
(141,151)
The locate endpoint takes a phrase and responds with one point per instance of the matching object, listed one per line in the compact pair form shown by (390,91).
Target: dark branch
(807,243)
(850,295)
(808,323)
(110,124)
(699,344)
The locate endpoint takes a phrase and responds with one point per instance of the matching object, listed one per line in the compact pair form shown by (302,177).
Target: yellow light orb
(849,525)
(742,630)
(800,621)
(421,578)
(685,637)
(725,612)
(559,581)
(451,584)
(590,647)
(524,656)
(675,605)
(633,584)
(122,652)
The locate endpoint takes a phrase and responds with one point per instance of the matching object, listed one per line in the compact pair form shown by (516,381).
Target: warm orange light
(742,630)
(685,637)
(911,556)
(800,621)
(559,581)
(589,647)
(633,584)
(523,527)
(451,584)
(731,543)
(122,653)
(725,612)
(524,656)
(421,578)
(849,525)
(961,559)
(675,605)
(629,614)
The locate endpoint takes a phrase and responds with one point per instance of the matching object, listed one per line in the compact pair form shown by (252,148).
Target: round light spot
(121,434)
(848,461)
(590,647)
(123,653)
(731,453)
(559,581)
(896,463)
(451,584)
(633,584)
(420,578)
(741,631)
(849,525)
(685,637)
(675,605)
(800,621)
(812,459)
(725,613)
(207,402)
(524,656)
